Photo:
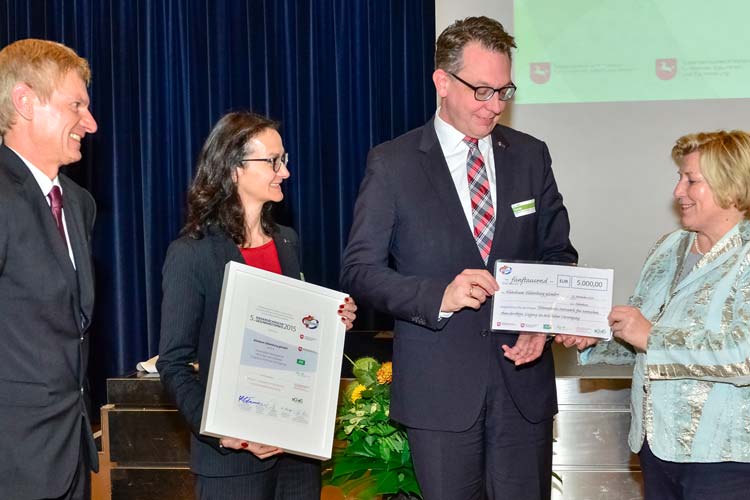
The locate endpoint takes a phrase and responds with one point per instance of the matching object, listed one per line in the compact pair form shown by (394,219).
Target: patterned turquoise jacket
(691,389)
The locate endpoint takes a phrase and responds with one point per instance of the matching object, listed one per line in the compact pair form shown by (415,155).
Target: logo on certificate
(310,322)
(505,270)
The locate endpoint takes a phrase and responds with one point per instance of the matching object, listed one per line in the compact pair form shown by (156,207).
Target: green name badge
(524,208)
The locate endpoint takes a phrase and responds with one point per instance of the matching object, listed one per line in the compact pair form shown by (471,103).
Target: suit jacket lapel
(438,174)
(503,187)
(227,250)
(78,234)
(49,229)
(287,256)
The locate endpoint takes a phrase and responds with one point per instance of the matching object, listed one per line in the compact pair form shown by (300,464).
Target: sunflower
(357,393)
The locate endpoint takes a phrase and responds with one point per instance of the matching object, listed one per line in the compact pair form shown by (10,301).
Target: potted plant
(372,457)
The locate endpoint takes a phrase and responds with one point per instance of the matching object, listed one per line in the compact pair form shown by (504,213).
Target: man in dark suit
(440,204)
(46,275)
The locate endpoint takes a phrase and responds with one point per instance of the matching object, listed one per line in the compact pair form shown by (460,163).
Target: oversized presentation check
(552,299)
(276,362)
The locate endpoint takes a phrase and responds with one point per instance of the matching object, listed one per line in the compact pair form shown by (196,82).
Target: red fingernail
(244,445)
(343,320)
(341,307)
(347,299)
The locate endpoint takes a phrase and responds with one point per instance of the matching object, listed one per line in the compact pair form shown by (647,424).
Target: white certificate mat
(552,299)
(276,362)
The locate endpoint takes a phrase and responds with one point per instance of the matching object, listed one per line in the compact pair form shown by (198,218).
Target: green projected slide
(576,51)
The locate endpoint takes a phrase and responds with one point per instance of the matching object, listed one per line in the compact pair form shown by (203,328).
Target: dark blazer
(191,281)
(45,308)
(408,213)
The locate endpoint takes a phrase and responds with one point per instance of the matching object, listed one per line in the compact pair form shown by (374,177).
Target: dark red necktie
(56,205)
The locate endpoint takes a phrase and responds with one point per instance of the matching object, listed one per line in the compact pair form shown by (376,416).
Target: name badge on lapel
(524,208)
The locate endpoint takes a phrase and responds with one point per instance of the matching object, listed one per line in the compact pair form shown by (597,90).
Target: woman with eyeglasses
(239,175)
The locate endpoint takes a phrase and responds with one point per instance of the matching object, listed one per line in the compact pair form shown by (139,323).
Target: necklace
(698,248)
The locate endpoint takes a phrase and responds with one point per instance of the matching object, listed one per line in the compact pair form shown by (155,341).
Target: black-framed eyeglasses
(505,93)
(276,162)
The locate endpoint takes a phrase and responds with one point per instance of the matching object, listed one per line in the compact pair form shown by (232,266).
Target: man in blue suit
(46,275)
(436,208)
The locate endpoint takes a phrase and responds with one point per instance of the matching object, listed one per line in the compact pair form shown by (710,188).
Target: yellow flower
(357,393)
(385,373)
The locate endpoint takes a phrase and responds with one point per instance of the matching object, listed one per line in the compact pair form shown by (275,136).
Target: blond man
(46,275)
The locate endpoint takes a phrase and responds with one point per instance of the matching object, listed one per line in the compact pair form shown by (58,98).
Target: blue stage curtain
(340,75)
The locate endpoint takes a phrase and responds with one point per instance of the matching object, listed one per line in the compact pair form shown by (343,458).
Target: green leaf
(385,451)
(388,482)
(412,487)
(362,447)
(365,370)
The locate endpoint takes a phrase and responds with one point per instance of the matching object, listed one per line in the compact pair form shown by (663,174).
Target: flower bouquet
(374,457)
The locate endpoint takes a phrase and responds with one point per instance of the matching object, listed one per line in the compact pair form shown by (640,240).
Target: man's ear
(23,100)
(441,79)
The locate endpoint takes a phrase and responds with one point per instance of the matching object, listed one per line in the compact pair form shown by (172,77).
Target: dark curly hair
(212,200)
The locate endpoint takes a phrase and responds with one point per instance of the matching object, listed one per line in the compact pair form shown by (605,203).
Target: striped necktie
(482,211)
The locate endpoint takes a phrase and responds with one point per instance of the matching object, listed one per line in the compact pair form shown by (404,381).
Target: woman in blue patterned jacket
(688,327)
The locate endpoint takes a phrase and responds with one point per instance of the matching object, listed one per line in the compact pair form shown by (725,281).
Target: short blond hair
(41,65)
(725,164)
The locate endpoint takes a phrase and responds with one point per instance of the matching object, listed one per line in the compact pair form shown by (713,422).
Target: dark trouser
(693,481)
(501,456)
(292,478)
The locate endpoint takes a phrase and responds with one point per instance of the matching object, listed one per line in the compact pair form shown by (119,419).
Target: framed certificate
(276,362)
(550,298)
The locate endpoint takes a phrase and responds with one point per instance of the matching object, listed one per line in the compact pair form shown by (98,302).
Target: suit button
(484,333)
(81,390)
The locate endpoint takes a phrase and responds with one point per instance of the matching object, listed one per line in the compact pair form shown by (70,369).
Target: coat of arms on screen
(540,72)
(666,68)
